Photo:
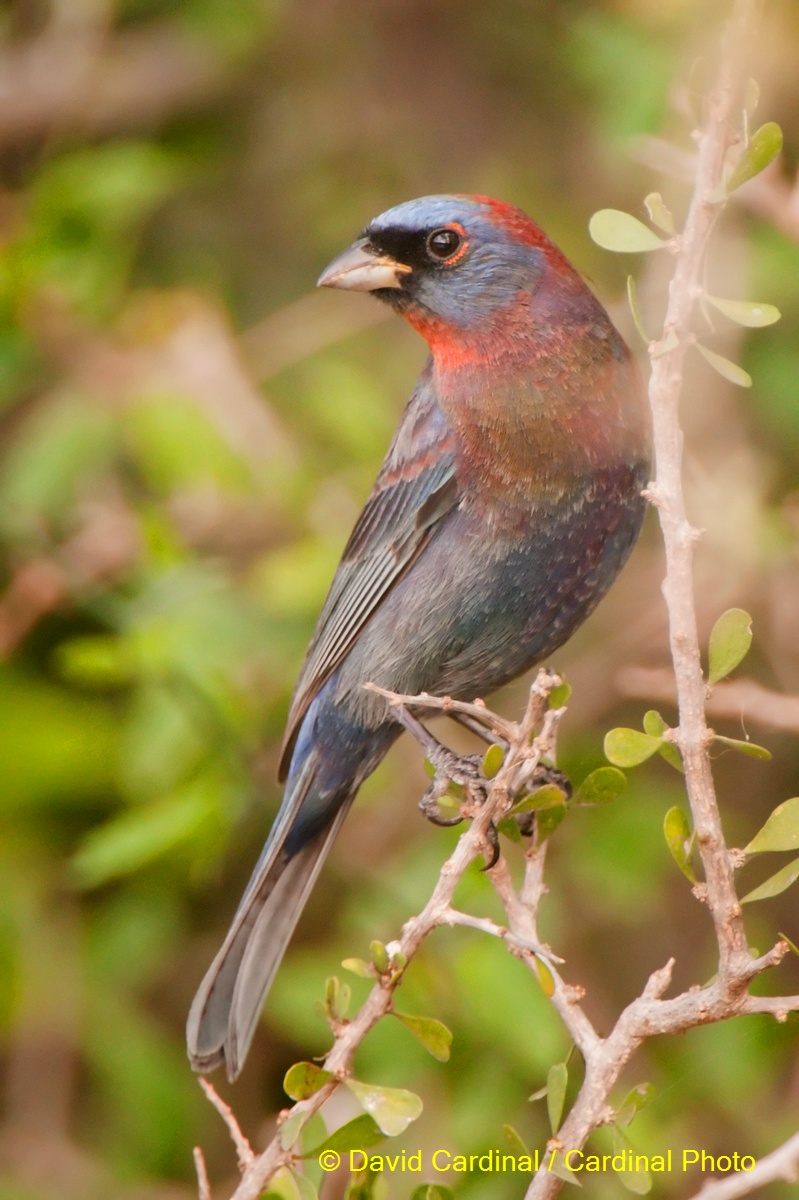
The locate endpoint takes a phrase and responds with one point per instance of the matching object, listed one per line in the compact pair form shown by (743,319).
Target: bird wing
(415,488)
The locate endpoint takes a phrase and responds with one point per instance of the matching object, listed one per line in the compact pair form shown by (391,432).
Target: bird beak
(362,269)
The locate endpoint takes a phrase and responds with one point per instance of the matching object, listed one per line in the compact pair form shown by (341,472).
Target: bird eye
(444,243)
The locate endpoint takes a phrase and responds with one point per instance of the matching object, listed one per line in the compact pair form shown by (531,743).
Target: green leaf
(621,232)
(548,796)
(303,1079)
(393,1109)
(509,829)
(547,821)
(637,1182)
(545,977)
(775,884)
(291,1128)
(493,760)
(678,837)
(746,312)
(515,1141)
(730,639)
(781,830)
(337,998)
(557,1082)
(358,967)
(632,300)
(556,1165)
(630,747)
(636,1099)
(358,1134)
(601,787)
(655,726)
(751,749)
(729,370)
(432,1191)
(379,956)
(560,695)
(764,146)
(659,214)
(433,1034)
(287,1184)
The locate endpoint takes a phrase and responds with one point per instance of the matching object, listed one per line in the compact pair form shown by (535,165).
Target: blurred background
(187,433)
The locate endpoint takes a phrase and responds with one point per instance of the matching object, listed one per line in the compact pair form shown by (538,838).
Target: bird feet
(464,773)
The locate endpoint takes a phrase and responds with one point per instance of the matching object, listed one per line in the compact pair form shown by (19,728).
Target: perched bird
(508,501)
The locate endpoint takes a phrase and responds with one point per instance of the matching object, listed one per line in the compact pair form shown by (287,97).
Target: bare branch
(781,1164)
(243,1148)
(203,1183)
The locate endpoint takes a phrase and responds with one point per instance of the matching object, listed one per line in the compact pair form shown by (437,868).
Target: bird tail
(225,1011)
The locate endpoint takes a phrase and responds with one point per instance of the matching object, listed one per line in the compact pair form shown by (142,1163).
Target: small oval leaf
(654,724)
(781,830)
(659,214)
(434,1036)
(393,1109)
(678,837)
(358,967)
(746,312)
(547,820)
(730,639)
(379,956)
(630,747)
(557,1081)
(751,749)
(764,146)
(548,796)
(639,1182)
(602,786)
(775,884)
(358,1134)
(493,760)
(545,977)
(636,1099)
(623,233)
(560,695)
(303,1079)
(729,370)
(515,1141)
(291,1128)
(632,300)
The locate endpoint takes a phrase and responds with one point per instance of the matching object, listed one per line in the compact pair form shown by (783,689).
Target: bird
(508,501)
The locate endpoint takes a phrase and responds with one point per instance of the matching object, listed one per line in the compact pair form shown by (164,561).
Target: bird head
(448,261)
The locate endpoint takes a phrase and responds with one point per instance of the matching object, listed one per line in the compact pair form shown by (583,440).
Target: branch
(476,841)
(679,536)
(782,1163)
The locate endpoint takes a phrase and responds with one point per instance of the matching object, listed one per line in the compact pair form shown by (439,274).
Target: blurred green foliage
(178,474)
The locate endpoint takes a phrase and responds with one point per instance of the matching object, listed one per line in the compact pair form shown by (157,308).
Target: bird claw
(428,805)
(492,839)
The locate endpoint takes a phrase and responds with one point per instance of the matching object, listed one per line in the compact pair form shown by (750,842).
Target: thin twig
(203,1183)
(243,1148)
(781,1164)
